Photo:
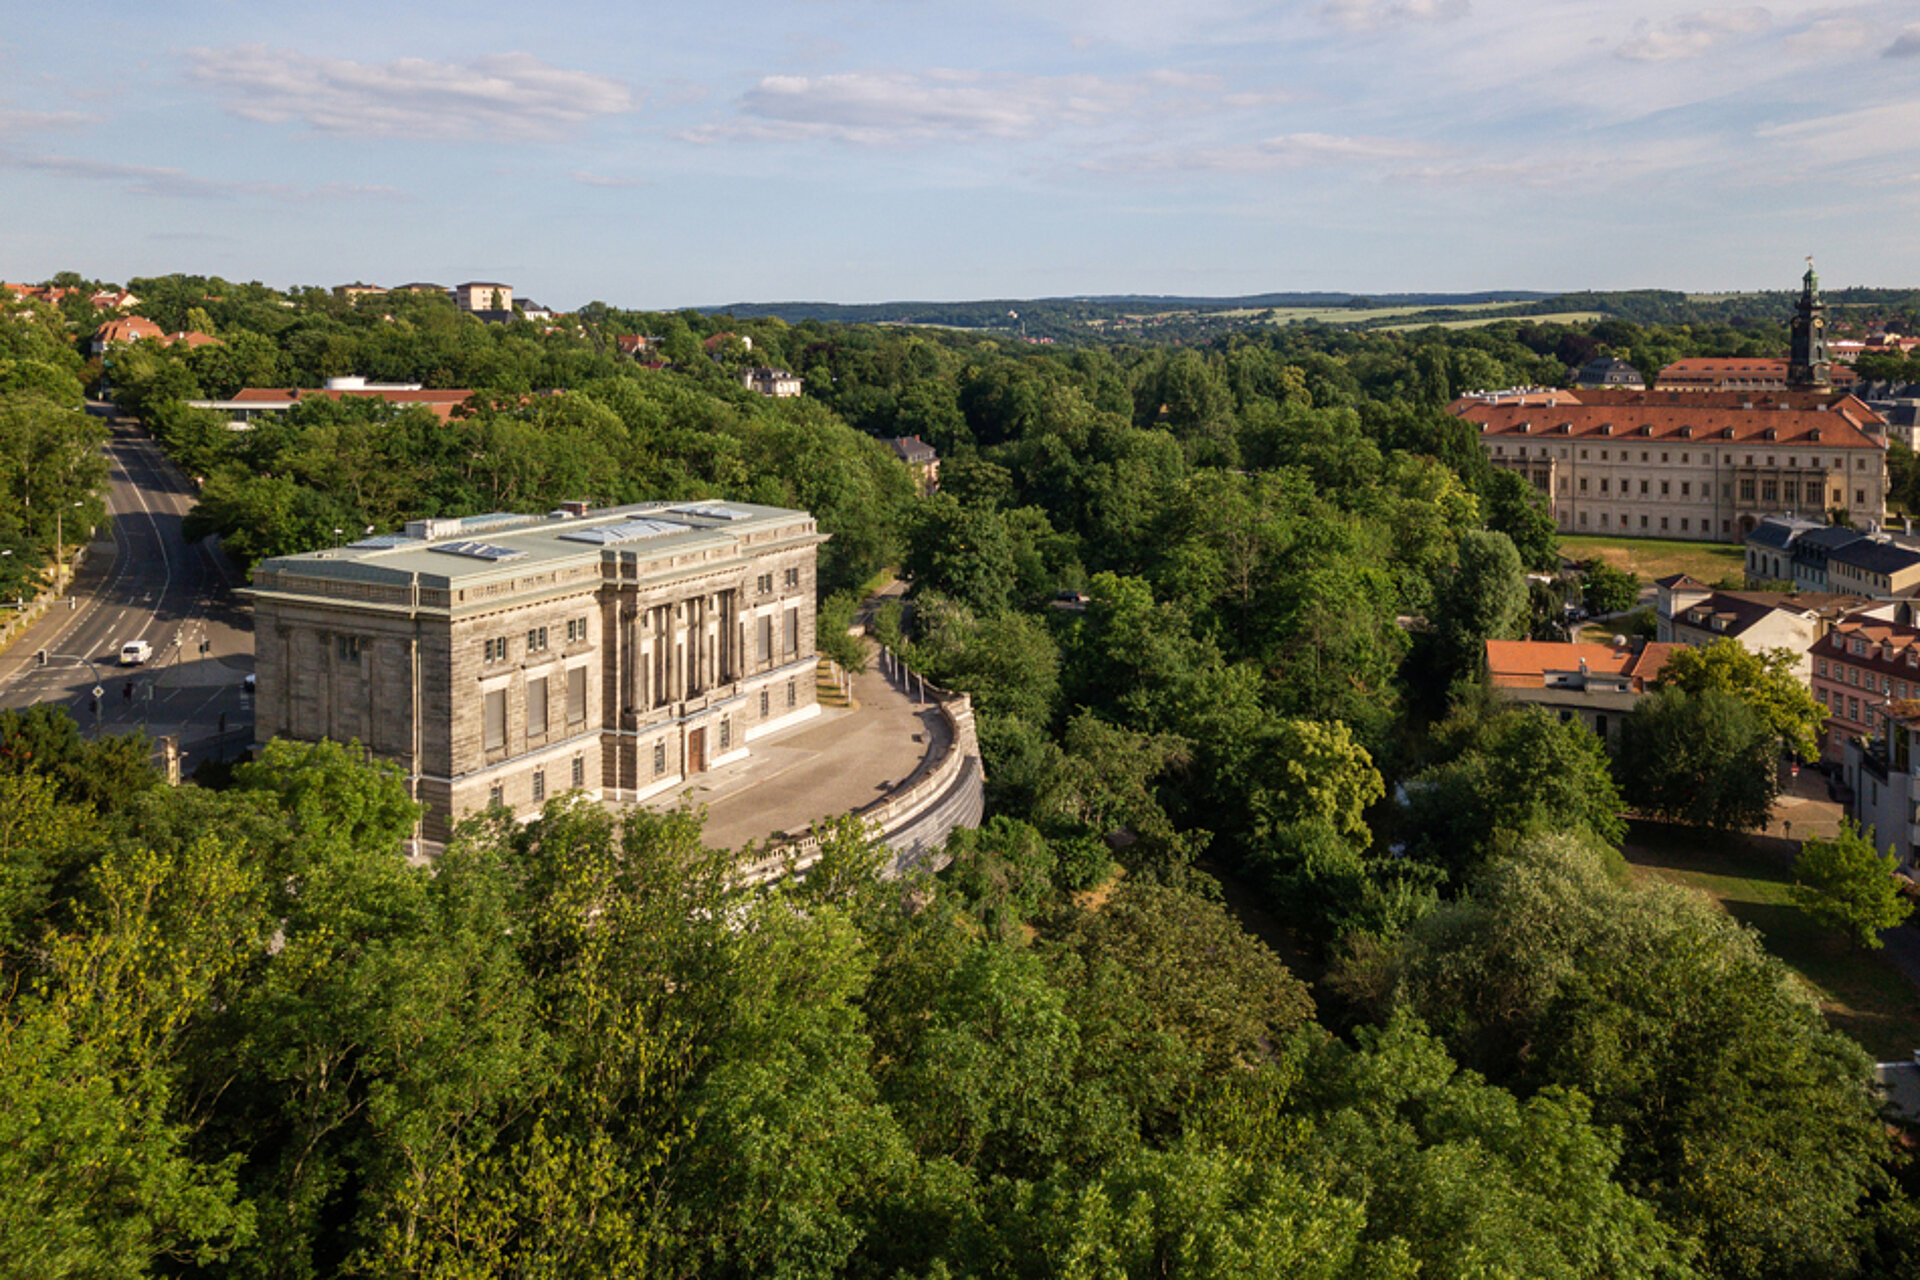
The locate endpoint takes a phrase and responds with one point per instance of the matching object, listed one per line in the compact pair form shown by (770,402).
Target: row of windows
(494,716)
(1875,682)
(763,585)
(1605,520)
(495,648)
(1626,455)
(496,794)
(1832,703)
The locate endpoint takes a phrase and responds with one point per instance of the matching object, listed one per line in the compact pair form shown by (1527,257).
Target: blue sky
(661,155)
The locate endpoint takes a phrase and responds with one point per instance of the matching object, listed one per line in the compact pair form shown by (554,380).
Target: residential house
(1861,668)
(1876,567)
(636,346)
(352,291)
(113,300)
(771,382)
(1691,613)
(1879,771)
(921,458)
(1597,684)
(483,295)
(124,329)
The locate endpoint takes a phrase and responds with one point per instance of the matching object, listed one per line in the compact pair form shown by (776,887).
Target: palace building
(1700,465)
(504,659)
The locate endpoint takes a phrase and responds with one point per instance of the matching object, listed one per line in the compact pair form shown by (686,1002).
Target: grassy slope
(1861,993)
(1653,558)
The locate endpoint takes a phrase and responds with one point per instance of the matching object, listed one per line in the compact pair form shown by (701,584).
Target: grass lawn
(1861,993)
(1653,558)
(1556,317)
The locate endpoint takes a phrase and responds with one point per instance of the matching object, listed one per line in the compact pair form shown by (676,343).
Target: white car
(135,652)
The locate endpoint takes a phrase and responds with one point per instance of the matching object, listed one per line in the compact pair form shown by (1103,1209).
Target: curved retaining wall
(946,791)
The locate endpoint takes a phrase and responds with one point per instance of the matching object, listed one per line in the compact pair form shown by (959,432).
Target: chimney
(576,508)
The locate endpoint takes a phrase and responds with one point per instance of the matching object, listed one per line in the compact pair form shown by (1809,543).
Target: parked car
(135,652)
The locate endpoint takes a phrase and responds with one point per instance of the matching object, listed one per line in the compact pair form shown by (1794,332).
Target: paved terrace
(833,764)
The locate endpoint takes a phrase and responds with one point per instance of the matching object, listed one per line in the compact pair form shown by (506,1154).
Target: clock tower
(1808,364)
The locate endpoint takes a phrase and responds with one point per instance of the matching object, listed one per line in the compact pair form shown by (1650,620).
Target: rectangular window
(576,630)
(1769,491)
(1859,497)
(1663,522)
(579,771)
(539,785)
(765,632)
(1853,710)
(348,648)
(1683,524)
(1666,487)
(537,707)
(659,758)
(1643,522)
(496,720)
(1603,484)
(726,734)
(536,640)
(763,704)
(494,798)
(1583,484)
(1823,668)
(793,693)
(763,584)
(793,577)
(1686,488)
(576,695)
(1643,487)
(792,632)
(497,649)
(1746,491)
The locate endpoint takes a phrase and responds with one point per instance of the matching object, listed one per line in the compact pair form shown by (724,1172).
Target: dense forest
(1286,949)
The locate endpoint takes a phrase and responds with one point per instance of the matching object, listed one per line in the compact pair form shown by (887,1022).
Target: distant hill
(992,312)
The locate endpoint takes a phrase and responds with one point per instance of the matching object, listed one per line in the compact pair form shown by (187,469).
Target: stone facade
(509,659)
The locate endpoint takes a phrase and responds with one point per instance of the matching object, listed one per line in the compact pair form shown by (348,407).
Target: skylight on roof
(478,550)
(382,542)
(607,535)
(714,511)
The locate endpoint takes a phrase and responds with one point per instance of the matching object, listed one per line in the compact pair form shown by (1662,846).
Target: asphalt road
(142,581)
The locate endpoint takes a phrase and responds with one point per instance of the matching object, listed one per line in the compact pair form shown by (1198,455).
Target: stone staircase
(826,680)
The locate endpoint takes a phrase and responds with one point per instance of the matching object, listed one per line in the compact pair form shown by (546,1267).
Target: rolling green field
(1654,558)
(1861,993)
(1557,317)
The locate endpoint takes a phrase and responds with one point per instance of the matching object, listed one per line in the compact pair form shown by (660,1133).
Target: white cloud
(14,121)
(1692,34)
(1884,131)
(1286,151)
(1905,45)
(155,180)
(1829,36)
(892,107)
(1371,15)
(511,97)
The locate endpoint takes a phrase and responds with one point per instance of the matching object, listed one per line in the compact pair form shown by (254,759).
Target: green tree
(1483,598)
(1769,683)
(1708,759)
(1606,589)
(1846,886)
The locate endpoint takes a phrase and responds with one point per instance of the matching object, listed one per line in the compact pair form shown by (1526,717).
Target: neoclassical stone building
(509,658)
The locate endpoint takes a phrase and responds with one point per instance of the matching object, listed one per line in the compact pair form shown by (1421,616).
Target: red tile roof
(1524,664)
(1837,427)
(127,329)
(443,403)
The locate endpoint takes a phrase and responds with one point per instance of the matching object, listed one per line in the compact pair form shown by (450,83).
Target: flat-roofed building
(506,659)
(1597,684)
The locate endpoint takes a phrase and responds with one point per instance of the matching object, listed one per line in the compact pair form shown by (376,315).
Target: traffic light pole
(99,691)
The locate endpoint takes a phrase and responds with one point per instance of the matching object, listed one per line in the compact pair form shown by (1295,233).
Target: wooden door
(696,751)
